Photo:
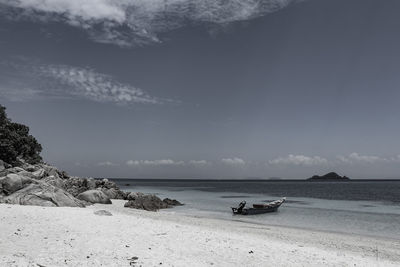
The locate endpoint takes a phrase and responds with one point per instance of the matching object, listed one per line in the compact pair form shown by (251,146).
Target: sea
(368,208)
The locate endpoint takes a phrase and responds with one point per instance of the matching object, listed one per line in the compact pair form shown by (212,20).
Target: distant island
(332,176)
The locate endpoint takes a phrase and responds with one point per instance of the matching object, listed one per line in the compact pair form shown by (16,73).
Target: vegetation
(16,142)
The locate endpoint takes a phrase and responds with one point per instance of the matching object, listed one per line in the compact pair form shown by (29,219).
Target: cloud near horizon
(107,164)
(137,22)
(233,161)
(299,160)
(160,162)
(354,158)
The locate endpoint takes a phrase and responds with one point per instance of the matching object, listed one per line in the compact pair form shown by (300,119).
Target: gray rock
(2,167)
(172,202)
(43,194)
(103,213)
(76,185)
(13,170)
(39,174)
(50,170)
(91,183)
(54,181)
(145,202)
(94,196)
(13,182)
(114,193)
(30,168)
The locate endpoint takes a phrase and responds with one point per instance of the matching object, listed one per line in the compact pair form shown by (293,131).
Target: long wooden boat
(258,208)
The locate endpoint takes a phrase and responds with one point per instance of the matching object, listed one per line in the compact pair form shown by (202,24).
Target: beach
(65,236)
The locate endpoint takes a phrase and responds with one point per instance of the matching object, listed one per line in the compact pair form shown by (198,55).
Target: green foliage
(16,142)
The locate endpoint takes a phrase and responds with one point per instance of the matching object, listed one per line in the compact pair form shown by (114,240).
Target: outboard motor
(239,209)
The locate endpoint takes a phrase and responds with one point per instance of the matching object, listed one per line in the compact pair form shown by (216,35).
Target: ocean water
(357,207)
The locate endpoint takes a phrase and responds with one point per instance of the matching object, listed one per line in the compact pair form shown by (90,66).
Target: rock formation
(94,196)
(45,185)
(332,176)
(149,202)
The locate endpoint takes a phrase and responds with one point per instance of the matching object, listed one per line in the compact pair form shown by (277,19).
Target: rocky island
(332,176)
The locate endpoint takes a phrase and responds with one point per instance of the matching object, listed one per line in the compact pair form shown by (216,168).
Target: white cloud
(198,162)
(62,81)
(357,158)
(159,162)
(233,161)
(299,160)
(96,86)
(107,163)
(395,159)
(129,22)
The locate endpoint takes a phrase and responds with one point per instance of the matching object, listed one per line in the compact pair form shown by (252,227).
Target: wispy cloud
(96,86)
(299,160)
(61,81)
(107,164)
(233,161)
(159,162)
(136,22)
(357,158)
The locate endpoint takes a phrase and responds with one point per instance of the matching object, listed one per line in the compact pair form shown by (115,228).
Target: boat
(258,208)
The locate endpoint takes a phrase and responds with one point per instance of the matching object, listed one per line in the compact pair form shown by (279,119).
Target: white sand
(42,236)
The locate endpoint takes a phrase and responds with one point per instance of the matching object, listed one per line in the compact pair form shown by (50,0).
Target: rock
(91,183)
(172,202)
(63,175)
(13,182)
(76,185)
(13,170)
(145,202)
(39,174)
(105,183)
(43,194)
(30,168)
(2,167)
(103,213)
(54,181)
(113,193)
(94,196)
(50,170)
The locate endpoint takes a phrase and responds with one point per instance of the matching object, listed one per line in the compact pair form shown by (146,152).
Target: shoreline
(48,236)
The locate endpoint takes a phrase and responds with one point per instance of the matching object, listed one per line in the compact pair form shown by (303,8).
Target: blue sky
(206,89)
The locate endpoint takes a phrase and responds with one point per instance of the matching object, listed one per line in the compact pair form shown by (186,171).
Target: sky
(206,89)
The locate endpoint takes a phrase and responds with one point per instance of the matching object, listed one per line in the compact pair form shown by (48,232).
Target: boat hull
(258,208)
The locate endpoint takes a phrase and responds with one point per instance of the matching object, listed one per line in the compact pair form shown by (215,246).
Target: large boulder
(94,196)
(13,182)
(114,193)
(43,194)
(145,202)
(172,202)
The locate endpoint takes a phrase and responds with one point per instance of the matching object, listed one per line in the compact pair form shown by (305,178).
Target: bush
(16,142)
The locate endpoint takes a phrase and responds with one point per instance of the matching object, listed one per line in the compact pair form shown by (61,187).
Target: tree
(16,142)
